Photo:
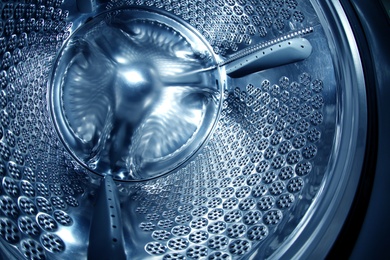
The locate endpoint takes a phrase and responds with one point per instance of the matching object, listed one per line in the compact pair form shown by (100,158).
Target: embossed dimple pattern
(28,226)
(32,249)
(32,162)
(230,198)
(239,188)
(9,231)
(52,243)
(231,25)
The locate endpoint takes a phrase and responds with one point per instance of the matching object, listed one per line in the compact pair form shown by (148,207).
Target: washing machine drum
(153,129)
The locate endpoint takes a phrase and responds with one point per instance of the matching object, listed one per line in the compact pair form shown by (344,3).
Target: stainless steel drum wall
(266,171)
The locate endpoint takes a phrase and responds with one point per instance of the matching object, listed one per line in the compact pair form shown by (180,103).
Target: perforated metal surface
(246,183)
(37,186)
(244,192)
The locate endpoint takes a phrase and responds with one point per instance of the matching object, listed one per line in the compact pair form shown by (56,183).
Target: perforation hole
(272,217)
(155,248)
(28,226)
(178,243)
(9,231)
(217,227)
(161,235)
(199,223)
(52,243)
(181,230)
(215,214)
(32,249)
(219,256)
(218,242)
(285,201)
(174,256)
(239,247)
(247,204)
(257,233)
(197,252)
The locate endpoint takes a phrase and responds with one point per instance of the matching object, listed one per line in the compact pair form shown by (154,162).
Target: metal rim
(324,218)
(190,148)
(318,230)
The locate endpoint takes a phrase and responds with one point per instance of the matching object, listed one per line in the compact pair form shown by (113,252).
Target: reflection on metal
(142,89)
(106,237)
(279,54)
(133,96)
(265,44)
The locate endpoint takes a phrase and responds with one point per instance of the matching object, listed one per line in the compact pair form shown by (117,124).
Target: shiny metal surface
(156,94)
(258,171)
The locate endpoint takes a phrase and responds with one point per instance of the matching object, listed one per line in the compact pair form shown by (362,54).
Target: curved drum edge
(338,212)
(365,232)
(317,232)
